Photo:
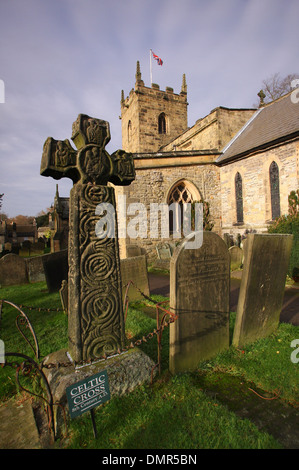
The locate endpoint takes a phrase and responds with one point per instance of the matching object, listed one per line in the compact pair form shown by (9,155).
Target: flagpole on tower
(151,70)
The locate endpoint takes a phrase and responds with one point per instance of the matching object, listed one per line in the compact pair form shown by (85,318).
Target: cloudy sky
(59,58)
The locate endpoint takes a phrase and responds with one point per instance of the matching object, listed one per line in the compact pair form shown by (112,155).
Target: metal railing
(29,367)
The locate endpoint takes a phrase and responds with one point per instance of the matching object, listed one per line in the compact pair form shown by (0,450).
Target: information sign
(88,393)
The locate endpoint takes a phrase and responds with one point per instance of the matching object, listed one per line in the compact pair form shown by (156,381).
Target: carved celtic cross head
(90,163)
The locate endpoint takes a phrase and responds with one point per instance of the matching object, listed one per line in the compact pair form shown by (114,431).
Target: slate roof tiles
(276,121)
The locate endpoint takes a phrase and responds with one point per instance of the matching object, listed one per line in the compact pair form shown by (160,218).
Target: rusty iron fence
(26,366)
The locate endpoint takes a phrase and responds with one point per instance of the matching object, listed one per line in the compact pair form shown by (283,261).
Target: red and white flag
(160,61)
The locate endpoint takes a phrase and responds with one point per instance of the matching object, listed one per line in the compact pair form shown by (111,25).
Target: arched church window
(239,197)
(129,131)
(182,192)
(162,123)
(274,189)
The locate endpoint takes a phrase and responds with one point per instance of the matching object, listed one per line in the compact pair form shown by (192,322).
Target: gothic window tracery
(274,190)
(182,192)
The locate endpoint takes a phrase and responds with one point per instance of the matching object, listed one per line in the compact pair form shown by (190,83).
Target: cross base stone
(125,372)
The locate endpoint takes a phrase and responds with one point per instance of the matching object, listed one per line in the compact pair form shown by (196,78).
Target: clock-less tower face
(151,118)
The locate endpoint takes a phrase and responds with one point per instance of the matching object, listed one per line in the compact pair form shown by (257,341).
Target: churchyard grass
(175,412)
(50,327)
(266,362)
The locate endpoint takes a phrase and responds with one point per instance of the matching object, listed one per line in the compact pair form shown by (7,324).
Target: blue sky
(59,58)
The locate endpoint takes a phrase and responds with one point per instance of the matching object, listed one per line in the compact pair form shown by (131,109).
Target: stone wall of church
(152,185)
(254,171)
(213,131)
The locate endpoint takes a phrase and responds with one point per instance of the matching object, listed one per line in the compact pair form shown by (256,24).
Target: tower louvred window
(162,123)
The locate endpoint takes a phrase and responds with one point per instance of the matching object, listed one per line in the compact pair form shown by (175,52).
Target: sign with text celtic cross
(96,325)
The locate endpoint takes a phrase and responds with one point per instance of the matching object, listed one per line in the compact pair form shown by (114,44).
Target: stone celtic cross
(96,325)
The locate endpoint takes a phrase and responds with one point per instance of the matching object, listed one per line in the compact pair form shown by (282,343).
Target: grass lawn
(176,412)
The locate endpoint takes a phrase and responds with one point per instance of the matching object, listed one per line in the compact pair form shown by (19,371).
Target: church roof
(271,124)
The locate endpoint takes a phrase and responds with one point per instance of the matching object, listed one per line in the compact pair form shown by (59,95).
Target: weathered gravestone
(35,267)
(96,324)
(228,239)
(262,286)
(164,251)
(133,250)
(37,248)
(135,269)
(13,270)
(236,257)
(132,269)
(55,269)
(25,248)
(199,295)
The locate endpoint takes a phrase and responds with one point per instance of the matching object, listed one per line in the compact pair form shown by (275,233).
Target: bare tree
(23,219)
(1,197)
(276,86)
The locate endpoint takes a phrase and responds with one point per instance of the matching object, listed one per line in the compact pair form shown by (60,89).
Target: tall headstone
(96,324)
(262,286)
(199,295)
(55,269)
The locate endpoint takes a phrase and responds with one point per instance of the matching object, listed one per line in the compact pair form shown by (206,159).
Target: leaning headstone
(96,324)
(163,251)
(199,295)
(135,270)
(13,270)
(63,292)
(262,287)
(236,257)
(55,269)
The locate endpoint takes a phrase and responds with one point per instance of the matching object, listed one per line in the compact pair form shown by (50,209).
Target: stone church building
(243,162)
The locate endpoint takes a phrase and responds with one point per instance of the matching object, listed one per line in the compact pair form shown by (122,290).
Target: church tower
(151,118)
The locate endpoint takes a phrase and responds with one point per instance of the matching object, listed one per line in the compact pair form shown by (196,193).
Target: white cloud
(61,58)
